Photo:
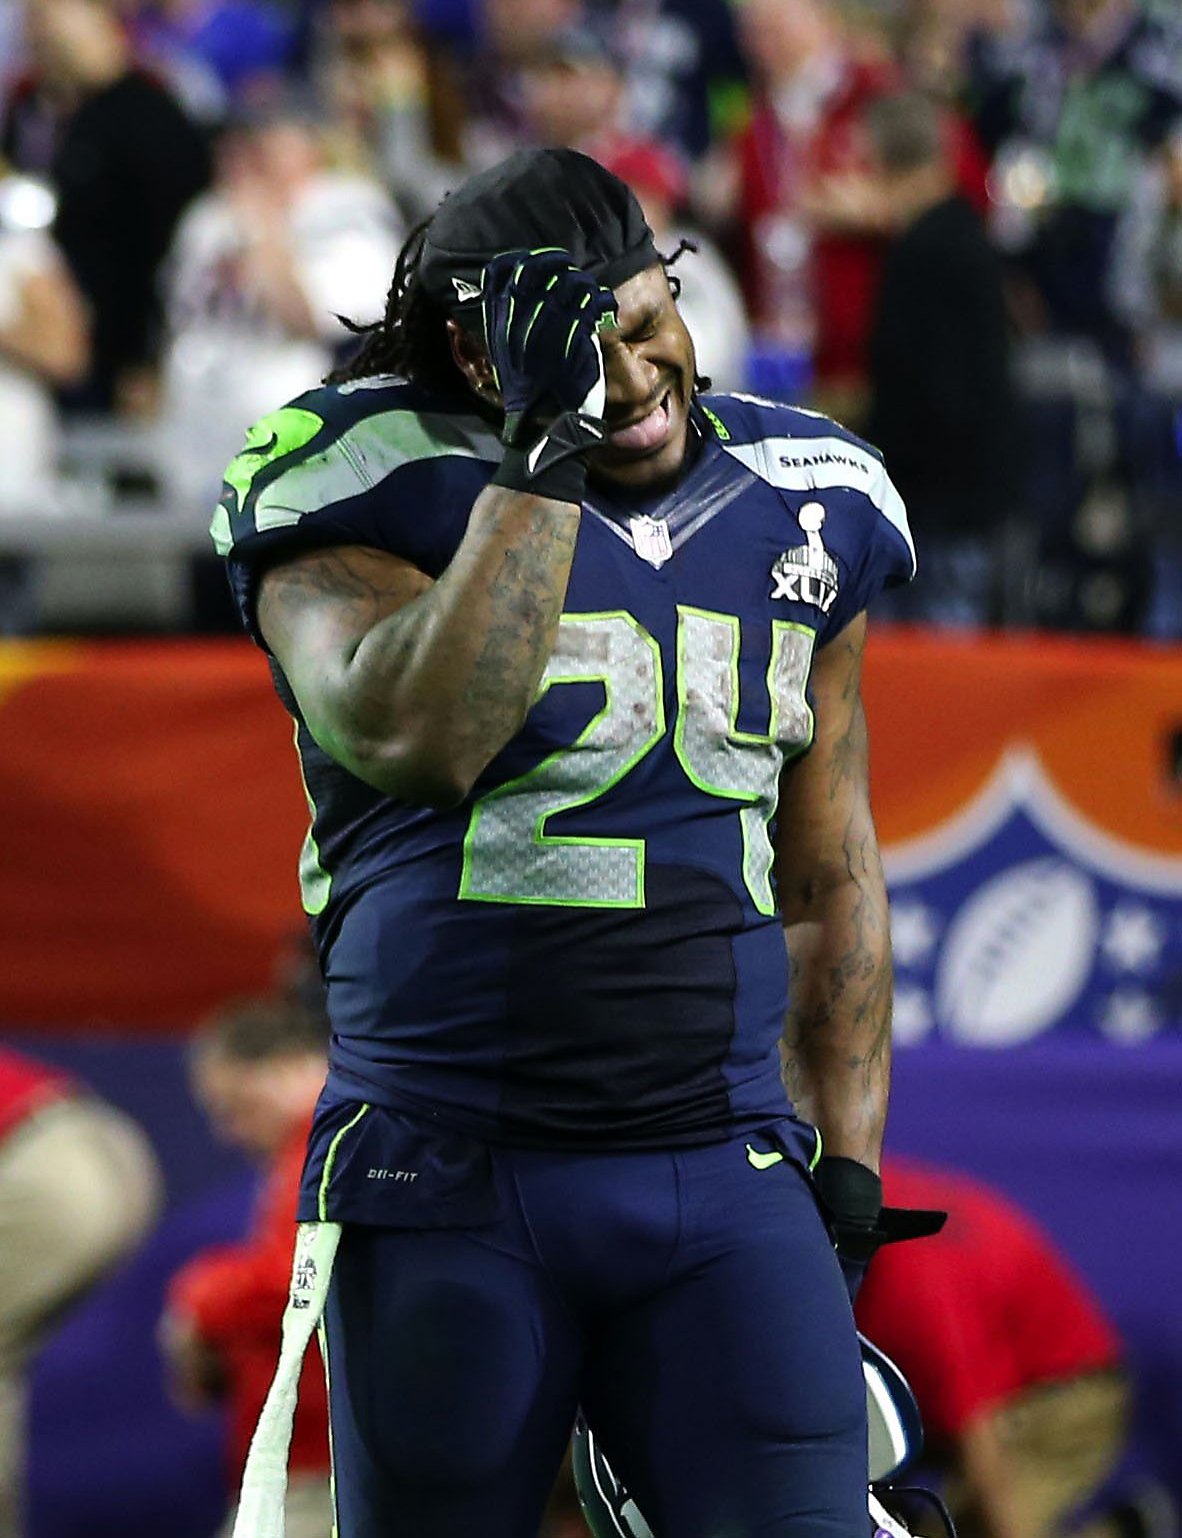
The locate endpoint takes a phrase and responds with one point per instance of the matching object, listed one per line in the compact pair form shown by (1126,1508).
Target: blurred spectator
(513,33)
(710,300)
(1147,277)
(397,95)
(1015,1368)
(11,41)
(934,39)
(1073,112)
(1095,568)
(124,162)
(257,1071)
(44,344)
(684,72)
(245,46)
(810,213)
(79,1189)
(262,267)
(572,93)
(943,408)
(932,47)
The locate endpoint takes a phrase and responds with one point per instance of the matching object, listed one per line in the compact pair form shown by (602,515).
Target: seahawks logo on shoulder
(271,437)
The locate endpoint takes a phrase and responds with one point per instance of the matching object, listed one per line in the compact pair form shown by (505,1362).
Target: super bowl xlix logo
(807,573)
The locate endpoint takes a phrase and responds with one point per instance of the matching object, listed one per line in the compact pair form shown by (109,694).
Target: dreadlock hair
(411,338)
(702,382)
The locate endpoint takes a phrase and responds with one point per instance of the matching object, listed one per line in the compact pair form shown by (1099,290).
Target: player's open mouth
(648,433)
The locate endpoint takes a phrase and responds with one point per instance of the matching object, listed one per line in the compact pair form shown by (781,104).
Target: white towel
(264,1480)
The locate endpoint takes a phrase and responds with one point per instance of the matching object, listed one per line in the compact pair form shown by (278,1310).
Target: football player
(572,647)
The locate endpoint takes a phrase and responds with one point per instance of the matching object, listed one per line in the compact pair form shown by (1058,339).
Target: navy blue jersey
(586,952)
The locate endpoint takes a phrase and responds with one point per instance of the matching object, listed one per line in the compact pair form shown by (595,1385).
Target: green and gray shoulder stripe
(308,455)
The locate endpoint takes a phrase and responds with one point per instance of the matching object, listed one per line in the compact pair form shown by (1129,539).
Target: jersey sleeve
(878,550)
(340,467)
(836,489)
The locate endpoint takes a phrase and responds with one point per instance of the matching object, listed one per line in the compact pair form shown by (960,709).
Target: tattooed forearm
(835,1052)
(524,602)
(416,685)
(468,663)
(836,1047)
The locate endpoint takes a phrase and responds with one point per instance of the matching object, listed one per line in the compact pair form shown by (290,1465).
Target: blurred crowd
(955,225)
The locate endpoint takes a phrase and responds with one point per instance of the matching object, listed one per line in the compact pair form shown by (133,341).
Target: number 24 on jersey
(509,856)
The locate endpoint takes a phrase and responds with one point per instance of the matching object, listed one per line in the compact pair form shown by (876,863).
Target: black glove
(542,319)
(851,1199)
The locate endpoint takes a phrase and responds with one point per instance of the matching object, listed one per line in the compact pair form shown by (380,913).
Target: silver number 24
(508,854)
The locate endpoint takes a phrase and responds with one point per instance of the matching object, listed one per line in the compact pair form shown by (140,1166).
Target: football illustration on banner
(1018,954)
(1018,916)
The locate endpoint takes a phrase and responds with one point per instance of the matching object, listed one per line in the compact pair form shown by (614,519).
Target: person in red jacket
(1015,1368)
(79,1189)
(257,1070)
(813,222)
(812,246)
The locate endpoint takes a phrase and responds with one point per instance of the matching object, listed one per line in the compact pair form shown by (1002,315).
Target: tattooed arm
(836,1047)
(414,685)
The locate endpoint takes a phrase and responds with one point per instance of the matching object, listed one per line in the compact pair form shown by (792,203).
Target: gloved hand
(851,1198)
(542,324)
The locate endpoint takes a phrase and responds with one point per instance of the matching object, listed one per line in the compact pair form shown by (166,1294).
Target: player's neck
(636,499)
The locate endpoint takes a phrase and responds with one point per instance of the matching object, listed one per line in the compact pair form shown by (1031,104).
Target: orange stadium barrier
(1104,719)
(153,812)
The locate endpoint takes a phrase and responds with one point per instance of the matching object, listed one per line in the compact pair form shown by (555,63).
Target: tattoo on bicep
(848,754)
(361,591)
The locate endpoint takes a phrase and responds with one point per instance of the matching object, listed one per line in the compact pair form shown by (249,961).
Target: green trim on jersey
(355,461)
(722,431)
(315,881)
(818,1150)
(331,1159)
